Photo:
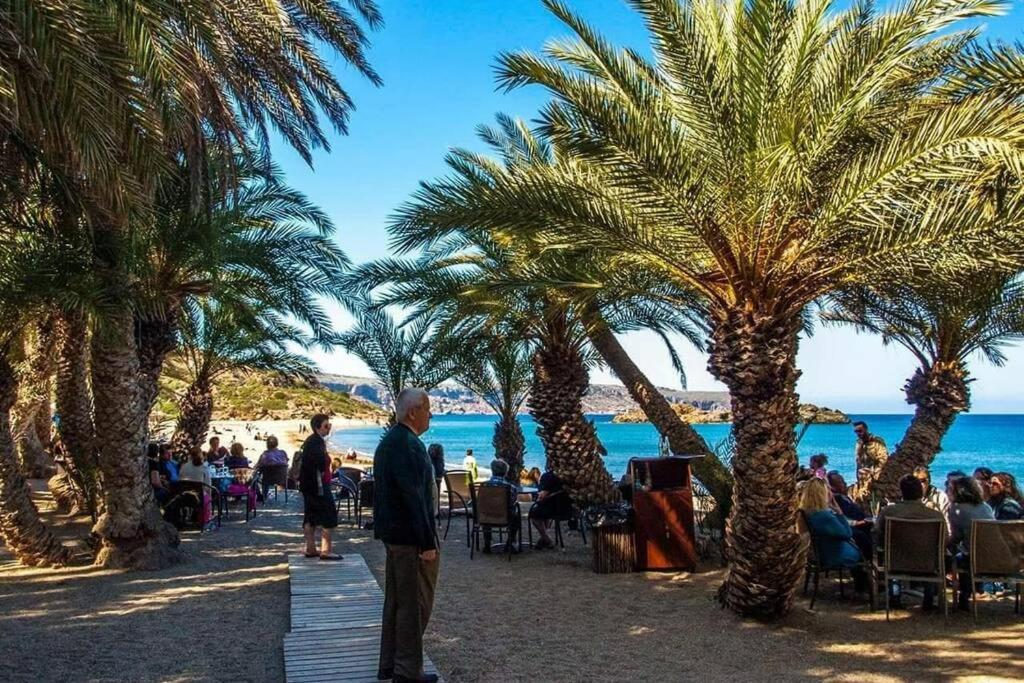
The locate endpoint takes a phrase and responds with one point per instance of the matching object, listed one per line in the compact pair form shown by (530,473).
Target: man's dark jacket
(313,463)
(404,490)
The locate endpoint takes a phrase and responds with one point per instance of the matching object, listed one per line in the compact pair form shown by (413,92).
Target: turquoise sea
(995,441)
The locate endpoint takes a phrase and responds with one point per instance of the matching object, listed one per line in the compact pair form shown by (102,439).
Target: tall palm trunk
(157,338)
(509,443)
(195,412)
(940,393)
(74,405)
(23,532)
(33,396)
(681,436)
(560,380)
(754,354)
(131,531)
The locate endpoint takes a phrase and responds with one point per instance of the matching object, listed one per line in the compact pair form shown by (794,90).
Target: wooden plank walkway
(335,621)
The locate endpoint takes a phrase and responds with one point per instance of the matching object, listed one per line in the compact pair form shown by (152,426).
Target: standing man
(871,454)
(403,517)
(315,485)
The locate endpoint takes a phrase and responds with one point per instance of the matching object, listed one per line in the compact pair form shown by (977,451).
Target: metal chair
(915,550)
(816,567)
(997,554)
(568,513)
(459,484)
(276,476)
(188,513)
(243,492)
(353,473)
(344,489)
(365,494)
(491,511)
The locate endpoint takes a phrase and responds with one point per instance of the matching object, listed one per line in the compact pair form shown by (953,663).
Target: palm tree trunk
(23,532)
(33,396)
(195,411)
(940,393)
(131,531)
(157,338)
(560,379)
(681,436)
(754,354)
(74,405)
(509,443)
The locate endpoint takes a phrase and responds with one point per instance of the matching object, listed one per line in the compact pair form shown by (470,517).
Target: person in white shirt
(196,468)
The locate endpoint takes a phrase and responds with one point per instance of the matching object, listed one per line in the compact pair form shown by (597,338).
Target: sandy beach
(222,614)
(288,434)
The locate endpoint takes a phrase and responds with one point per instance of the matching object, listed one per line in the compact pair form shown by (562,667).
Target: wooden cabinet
(664,536)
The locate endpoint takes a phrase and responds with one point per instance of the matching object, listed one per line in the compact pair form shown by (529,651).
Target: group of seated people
(835,519)
(552,503)
(166,468)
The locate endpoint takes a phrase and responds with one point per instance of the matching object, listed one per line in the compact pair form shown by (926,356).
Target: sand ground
(545,616)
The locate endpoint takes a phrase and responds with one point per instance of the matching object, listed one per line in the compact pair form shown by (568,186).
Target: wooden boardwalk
(335,621)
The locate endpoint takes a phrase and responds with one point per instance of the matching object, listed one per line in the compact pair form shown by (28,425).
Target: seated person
(499,476)
(1005,498)
(983,475)
(160,475)
(833,533)
(196,469)
(817,465)
(933,497)
(966,505)
(167,455)
(910,507)
(553,502)
(273,455)
(236,460)
(213,455)
(854,513)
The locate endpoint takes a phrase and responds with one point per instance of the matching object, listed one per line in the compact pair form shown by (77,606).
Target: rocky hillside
(262,396)
(605,399)
(694,415)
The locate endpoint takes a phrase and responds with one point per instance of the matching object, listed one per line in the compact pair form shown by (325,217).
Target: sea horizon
(994,440)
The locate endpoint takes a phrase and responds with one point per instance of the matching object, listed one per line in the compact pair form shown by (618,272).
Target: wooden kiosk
(663,528)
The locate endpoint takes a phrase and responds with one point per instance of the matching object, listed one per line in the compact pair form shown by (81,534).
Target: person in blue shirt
(831,531)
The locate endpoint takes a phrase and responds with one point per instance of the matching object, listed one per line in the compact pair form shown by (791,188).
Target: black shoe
(425,678)
(385,674)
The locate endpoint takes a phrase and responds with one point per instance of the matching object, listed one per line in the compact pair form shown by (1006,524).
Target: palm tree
(942,325)
(216,340)
(28,285)
(625,297)
(399,355)
(498,369)
(110,97)
(254,242)
(773,152)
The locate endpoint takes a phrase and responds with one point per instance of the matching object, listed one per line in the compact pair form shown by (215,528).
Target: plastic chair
(816,567)
(491,511)
(459,484)
(915,550)
(997,554)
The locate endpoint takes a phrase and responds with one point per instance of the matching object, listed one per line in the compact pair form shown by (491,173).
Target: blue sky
(437,59)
